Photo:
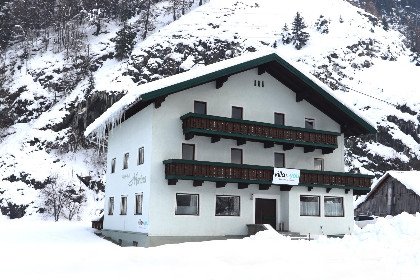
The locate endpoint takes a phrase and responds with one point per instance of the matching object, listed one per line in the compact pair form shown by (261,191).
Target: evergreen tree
(299,36)
(147,18)
(124,42)
(385,24)
(322,25)
(286,36)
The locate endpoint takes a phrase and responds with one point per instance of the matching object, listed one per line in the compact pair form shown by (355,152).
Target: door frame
(267,196)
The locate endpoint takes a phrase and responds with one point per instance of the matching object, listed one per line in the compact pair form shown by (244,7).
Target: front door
(265,211)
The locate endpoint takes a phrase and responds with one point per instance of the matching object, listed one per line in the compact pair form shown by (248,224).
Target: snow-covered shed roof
(410,179)
(306,87)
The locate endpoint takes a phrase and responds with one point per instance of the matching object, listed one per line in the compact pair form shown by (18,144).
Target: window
(188,151)
(279,160)
(186,204)
(139,204)
(309,123)
(125,162)
(333,206)
(123,205)
(309,205)
(227,205)
(278,119)
(200,107)
(111,206)
(237,113)
(113,165)
(236,156)
(319,164)
(140,159)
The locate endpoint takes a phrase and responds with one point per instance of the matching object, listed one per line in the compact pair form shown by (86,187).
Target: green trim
(259,138)
(249,65)
(235,165)
(234,180)
(258,123)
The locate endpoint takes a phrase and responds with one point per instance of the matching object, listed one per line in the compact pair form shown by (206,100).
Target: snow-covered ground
(34,249)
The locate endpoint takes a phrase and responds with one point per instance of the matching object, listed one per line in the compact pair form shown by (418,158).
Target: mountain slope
(48,101)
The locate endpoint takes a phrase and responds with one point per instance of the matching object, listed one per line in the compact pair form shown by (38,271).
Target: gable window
(113,165)
(125,162)
(186,204)
(140,159)
(236,156)
(200,107)
(139,204)
(309,123)
(237,113)
(309,205)
(278,118)
(319,164)
(333,206)
(279,160)
(188,151)
(111,206)
(123,205)
(227,205)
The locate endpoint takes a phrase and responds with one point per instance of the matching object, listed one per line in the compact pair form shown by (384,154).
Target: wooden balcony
(244,175)
(269,134)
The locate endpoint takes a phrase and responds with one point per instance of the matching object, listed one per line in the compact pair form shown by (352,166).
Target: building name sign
(135,180)
(285,176)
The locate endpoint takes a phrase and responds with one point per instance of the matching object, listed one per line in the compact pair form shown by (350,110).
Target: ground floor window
(309,205)
(186,204)
(227,205)
(123,205)
(333,206)
(139,204)
(111,206)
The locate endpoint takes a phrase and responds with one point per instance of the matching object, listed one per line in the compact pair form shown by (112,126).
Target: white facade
(160,132)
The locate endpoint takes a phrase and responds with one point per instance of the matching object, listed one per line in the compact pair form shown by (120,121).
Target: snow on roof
(114,114)
(410,179)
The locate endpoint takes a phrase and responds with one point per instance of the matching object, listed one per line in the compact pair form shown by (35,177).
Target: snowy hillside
(47,101)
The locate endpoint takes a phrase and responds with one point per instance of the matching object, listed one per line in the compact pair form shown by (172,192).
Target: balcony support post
(263,187)
(220,184)
(327,151)
(197,183)
(328,190)
(288,146)
(310,189)
(242,186)
(159,102)
(172,182)
(285,188)
(346,191)
(268,145)
(189,136)
(307,149)
(240,142)
(215,139)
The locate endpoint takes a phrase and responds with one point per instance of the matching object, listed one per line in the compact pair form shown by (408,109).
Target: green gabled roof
(306,86)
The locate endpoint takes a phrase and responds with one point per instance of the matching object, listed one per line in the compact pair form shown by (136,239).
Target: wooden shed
(394,193)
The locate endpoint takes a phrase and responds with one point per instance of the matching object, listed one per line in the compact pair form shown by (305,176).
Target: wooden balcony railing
(269,134)
(223,173)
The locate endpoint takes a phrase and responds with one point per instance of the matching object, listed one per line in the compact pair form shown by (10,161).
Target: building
(394,193)
(194,155)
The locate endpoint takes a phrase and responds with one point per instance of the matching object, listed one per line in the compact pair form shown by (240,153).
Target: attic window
(258,83)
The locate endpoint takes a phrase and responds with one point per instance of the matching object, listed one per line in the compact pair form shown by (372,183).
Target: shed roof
(305,85)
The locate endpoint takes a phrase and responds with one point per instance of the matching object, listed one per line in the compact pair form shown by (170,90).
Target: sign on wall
(285,176)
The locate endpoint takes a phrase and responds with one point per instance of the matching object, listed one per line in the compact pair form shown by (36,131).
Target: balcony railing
(266,133)
(243,175)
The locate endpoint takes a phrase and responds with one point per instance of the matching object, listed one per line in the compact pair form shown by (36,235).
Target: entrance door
(265,211)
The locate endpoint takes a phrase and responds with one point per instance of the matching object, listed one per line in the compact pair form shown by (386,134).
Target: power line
(389,103)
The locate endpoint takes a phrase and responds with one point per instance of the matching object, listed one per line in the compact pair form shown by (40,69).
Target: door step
(295,235)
